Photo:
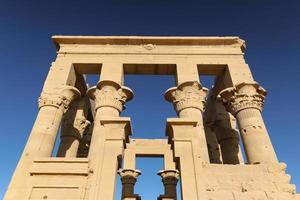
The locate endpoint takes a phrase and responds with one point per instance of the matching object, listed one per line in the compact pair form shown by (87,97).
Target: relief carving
(81,124)
(149,47)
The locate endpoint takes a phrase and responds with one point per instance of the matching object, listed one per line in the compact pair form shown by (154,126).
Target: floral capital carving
(169,177)
(110,94)
(169,173)
(60,99)
(129,172)
(187,95)
(243,96)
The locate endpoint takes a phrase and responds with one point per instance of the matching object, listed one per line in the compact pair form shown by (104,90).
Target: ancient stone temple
(202,146)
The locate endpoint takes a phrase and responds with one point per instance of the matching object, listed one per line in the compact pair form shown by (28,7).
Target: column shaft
(73,126)
(257,143)
(169,179)
(107,142)
(44,132)
(128,179)
(245,102)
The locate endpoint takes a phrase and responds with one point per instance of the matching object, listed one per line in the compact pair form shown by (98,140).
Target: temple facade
(202,145)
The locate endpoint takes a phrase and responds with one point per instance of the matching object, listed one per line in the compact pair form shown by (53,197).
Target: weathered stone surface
(201,150)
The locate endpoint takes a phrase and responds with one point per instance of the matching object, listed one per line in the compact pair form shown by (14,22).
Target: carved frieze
(243,96)
(187,95)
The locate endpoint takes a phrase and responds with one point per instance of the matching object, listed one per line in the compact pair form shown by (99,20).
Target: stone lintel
(149,147)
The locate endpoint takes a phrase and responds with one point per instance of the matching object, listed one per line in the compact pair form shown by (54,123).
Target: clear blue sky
(270,28)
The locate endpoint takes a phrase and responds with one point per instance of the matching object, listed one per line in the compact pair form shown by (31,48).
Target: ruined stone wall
(247,182)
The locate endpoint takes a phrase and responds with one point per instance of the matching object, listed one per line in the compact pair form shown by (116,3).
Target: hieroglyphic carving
(187,95)
(243,96)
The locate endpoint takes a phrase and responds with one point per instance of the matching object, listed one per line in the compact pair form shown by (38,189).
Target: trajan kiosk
(201,148)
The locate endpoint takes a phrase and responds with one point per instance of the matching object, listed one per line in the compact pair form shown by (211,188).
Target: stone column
(84,145)
(169,179)
(110,98)
(228,139)
(73,125)
(187,135)
(188,100)
(245,102)
(221,125)
(51,109)
(128,179)
(211,138)
(224,125)
(212,145)
(110,133)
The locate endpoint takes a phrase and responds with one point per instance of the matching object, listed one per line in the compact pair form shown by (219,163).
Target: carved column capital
(243,96)
(60,99)
(128,179)
(110,94)
(187,95)
(134,173)
(169,177)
